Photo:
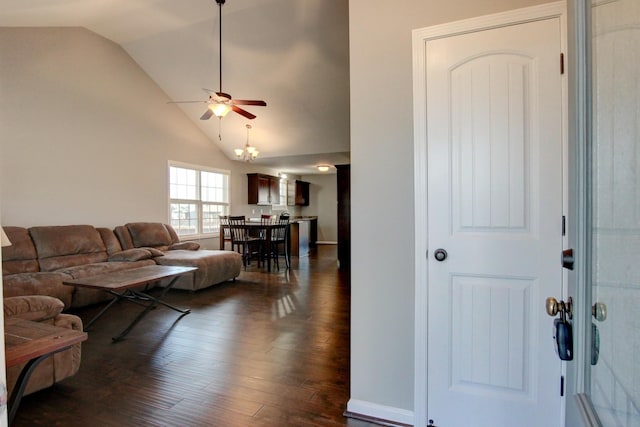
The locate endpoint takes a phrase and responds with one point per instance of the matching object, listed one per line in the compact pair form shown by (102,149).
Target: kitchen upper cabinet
(298,193)
(263,189)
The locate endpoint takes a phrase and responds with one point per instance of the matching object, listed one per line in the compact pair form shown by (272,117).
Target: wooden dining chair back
(226,233)
(242,242)
(265,220)
(279,238)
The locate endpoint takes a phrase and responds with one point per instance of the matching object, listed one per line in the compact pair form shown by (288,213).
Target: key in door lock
(599,312)
(562,330)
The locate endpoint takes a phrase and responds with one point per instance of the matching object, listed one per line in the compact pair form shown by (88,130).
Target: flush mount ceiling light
(324,168)
(249,152)
(220,103)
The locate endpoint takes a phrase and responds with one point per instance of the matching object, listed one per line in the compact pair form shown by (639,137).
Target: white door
(495,188)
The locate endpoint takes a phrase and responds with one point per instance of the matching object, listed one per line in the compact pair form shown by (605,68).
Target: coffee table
(126,284)
(32,342)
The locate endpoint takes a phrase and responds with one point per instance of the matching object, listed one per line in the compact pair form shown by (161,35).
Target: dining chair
(265,220)
(224,228)
(279,237)
(242,242)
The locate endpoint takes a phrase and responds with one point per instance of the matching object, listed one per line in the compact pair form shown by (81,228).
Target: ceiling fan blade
(207,115)
(249,102)
(223,96)
(242,112)
(217,96)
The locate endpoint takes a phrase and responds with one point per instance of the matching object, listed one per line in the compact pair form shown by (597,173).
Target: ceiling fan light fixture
(220,110)
(221,103)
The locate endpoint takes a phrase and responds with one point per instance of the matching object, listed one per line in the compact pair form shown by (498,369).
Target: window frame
(198,201)
(283,195)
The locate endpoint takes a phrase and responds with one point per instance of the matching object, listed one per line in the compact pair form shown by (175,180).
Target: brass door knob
(553,307)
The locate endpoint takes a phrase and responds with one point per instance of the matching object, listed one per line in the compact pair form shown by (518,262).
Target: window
(197,197)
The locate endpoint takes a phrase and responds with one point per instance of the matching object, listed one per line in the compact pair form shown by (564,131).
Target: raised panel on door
(489,157)
(490,339)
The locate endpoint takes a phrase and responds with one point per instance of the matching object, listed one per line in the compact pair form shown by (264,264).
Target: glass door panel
(615,228)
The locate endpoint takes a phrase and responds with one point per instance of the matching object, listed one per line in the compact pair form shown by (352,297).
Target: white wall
(86,135)
(323,203)
(382,187)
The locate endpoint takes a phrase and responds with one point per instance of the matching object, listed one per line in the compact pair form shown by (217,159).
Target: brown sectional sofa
(41,258)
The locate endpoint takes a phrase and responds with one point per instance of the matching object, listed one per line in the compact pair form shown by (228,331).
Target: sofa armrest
(32,307)
(69,321)
(131,255)
(189,246)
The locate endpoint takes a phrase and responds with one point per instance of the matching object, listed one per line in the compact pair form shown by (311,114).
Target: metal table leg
(23,380)
(131,295)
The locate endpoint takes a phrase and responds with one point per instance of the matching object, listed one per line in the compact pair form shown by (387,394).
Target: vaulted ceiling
(294,54)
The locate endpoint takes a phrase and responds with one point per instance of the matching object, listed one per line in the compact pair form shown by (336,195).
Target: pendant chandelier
(248,153)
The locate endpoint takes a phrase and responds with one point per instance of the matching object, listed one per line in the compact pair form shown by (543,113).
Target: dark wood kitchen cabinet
(298,193)
(263,189)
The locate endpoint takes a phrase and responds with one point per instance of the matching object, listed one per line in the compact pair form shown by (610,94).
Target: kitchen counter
(303,234)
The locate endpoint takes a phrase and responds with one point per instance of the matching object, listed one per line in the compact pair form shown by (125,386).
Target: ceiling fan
(220,103)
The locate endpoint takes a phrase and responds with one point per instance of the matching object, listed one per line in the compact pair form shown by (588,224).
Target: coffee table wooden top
(26,340)
(131,278)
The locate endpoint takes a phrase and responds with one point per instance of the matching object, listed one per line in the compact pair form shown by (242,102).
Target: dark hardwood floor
(271,349)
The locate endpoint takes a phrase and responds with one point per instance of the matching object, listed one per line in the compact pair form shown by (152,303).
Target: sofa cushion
(123,235)
(67,245)
(42,283)
(110,240)
(149,234)
(187,246)
(154,252)
(135,254)
(32,307)
(21,256)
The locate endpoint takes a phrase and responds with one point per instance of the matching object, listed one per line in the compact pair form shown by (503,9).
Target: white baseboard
(389,414)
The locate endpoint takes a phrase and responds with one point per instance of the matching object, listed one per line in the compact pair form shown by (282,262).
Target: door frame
(420,37)
(579,410)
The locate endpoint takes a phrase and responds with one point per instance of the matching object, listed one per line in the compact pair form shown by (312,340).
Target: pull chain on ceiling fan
(220,103)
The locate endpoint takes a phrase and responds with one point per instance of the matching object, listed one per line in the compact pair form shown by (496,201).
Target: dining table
(262,229)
